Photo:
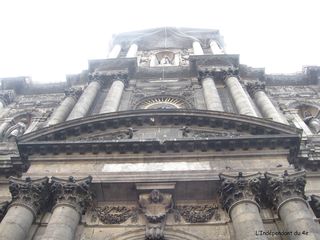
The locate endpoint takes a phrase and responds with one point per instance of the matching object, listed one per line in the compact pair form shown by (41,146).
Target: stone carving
(33,194)
(236,188)
(73,92)
(3,209)
(119,135)
(194,133)
(197,213)
(255,87)
(114,214)
(73,192)
(155,207)
(104,77)
(283,187)
(7,96)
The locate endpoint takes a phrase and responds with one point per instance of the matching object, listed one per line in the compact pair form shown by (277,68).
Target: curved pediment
(163,130)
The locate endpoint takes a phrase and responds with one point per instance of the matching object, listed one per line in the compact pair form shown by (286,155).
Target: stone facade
(168,138)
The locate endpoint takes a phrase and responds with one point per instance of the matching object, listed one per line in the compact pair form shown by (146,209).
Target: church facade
(167,138)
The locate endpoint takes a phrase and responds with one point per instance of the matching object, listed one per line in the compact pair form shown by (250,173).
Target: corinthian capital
(281,188)
(255,87)
(74,193)
(73,92)
(32,194)
(238,188)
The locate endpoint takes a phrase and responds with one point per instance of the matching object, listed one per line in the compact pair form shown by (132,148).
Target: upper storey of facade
(171,71)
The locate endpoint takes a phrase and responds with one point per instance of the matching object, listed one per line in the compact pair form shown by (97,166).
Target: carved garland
(197,213)
(114,214)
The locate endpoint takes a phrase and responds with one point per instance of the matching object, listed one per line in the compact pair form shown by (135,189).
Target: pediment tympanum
(160,130)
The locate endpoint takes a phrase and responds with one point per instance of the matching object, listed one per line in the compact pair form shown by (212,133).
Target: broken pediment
(160,130)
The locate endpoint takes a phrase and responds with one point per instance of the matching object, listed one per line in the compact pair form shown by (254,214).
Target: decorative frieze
(237,188)
(33,194)
(284,187)
(109,76)
(155,207)
(72,192)
(197,213)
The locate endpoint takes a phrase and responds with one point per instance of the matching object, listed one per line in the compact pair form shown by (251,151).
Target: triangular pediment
(162,129)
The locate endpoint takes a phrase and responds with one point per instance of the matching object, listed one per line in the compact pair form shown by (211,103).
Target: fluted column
(264,104)
(286,192)
(63,110)
(238,195)
(197,49)
(132,52)
(240,98)
(112,100)
(215,49)
(115,51)
(28,197)
(71,199)
(85,101)
(210,92)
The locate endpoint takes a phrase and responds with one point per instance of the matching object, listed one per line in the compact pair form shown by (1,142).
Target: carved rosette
(155,207)
(33,194)
(284,187)
(197,213)
(3,209)
(252,88)
(114,214)
(238,188)
(74,193)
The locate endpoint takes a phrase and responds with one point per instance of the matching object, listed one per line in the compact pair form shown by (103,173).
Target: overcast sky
(47,39)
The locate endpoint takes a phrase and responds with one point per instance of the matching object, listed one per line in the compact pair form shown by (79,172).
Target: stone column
(264,104)
(210,92)
(71,199)
(63,110)
(239,97)
(112,101)
(197,49)
(3,209)
(215,49)
(239,196)
(85,101)
(115,51)
(286,192)
(28,198)
(132,52)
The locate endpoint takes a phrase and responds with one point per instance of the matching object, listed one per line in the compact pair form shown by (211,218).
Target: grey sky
(47,39)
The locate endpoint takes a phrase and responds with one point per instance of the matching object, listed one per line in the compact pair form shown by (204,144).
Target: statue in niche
(165,60)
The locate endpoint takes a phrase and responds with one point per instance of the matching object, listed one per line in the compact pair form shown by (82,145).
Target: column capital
(32,194)
(255,87)
(73,92)
(282,188)
(71,192)
(109,76)
(235,189)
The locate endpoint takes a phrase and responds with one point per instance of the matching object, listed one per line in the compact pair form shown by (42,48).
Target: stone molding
(155,206)
(252,88)
(32,194)
(235,189)
(283,188)
(71,192)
